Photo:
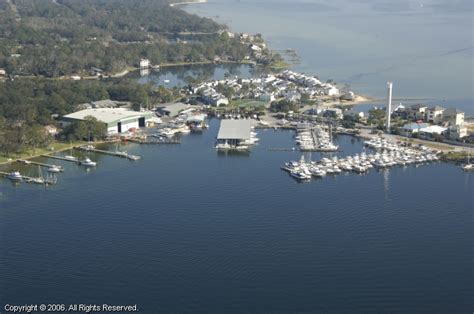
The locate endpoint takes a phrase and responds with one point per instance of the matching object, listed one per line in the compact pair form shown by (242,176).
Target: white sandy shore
(187,2)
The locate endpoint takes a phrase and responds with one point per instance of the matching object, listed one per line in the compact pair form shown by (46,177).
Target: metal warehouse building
(117,120)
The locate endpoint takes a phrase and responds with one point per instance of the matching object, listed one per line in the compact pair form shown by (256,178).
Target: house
(213,98)
(51,130)
(172,109)
(435,114)
(255,48)
(96,71)
(333,113)
(144,64)
(453,116)
(416,112)
(293,96)
(457,132)
(117,120)
(400,111)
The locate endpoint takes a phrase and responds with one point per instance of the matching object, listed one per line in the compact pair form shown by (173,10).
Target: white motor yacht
(54,169)
(15,176)
(88,163)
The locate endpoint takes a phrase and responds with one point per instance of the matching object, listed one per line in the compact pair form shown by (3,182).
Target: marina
(314,138)
(385,155)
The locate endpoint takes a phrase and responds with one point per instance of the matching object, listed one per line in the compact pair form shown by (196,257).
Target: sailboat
(39,179)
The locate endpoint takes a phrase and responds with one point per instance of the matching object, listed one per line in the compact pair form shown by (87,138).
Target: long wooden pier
(31,162)
(107,152)
(62,158)
(28,179)
(156,142)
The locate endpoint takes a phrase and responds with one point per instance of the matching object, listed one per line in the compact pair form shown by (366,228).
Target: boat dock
(107,152)
(28,179)
(31,162)
(158,141)
(62,158)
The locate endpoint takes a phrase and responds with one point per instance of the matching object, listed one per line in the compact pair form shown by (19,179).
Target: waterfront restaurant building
(234,132)
(117,120)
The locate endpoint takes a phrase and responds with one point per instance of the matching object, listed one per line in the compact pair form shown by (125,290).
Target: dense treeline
(28,105)
(62,37)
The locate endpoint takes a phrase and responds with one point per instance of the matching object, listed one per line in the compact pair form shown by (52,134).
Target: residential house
(457,132)
(453,116)
(435,114)
(144,64)
(416,112)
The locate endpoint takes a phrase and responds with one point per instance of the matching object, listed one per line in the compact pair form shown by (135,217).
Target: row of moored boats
(359,163)
(315,139)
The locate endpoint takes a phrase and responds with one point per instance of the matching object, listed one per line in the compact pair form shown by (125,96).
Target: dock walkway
(31,162)
(28,179)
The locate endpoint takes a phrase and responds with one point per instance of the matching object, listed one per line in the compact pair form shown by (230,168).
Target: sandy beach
(187,2)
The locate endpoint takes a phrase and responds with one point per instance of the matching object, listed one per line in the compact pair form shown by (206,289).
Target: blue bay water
(188,230)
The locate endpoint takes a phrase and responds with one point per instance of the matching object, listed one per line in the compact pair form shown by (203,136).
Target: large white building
(117,120)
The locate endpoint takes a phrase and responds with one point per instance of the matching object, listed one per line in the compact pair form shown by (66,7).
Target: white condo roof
(235,130)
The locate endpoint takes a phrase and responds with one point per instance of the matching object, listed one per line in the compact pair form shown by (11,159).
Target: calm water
(188,230)
(180,76)
(424,46)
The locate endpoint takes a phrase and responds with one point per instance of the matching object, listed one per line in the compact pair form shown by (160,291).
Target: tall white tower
(389,105)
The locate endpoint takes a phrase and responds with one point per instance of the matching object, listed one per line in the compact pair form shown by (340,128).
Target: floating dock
(30,162)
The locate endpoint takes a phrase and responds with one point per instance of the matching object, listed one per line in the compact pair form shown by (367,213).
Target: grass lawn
(53,147)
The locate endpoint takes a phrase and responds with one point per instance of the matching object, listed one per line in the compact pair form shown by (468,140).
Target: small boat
(88,163)
(54,169)
(223,146)
(69,157)
(300,175)
(133,157)
(26,162)
(468,167)
(166,81)
(37,180)
(15,176)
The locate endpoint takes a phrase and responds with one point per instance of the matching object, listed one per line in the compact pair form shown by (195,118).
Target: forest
(54,38)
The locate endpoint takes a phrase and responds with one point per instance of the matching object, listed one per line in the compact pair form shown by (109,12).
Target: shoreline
(187,2)
(69,146)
